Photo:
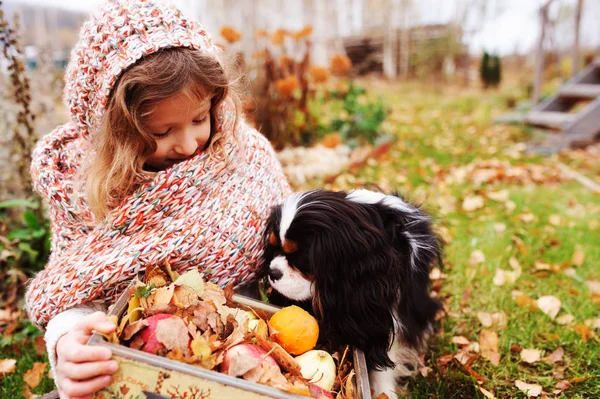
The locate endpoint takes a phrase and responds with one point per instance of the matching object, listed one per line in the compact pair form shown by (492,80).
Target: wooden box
(142,375)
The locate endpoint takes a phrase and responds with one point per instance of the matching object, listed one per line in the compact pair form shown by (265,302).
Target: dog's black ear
(271,232)
(355,288)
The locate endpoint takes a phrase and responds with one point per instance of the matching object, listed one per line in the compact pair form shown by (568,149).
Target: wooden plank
(585,181)
(556,120)
(583,90)
(51,395)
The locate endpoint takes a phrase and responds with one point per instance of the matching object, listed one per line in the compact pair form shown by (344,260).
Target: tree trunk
(575,55)
(539,64)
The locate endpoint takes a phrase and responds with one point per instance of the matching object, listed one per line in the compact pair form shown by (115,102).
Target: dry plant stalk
(23,133)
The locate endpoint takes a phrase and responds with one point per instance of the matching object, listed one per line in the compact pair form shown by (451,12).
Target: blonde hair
(121,143)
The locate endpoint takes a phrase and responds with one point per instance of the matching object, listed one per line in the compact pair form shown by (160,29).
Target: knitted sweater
(207,212)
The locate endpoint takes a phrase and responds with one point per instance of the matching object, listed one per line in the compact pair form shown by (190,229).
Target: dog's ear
(268,241)
(355,289)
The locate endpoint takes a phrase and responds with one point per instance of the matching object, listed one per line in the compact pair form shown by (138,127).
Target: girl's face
(181,128)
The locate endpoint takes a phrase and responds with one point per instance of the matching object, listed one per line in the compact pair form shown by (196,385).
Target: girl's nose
(187,145)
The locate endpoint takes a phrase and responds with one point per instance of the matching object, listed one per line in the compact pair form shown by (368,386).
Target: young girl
(156,166)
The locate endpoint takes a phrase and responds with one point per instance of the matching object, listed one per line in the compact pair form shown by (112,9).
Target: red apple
(245,357)
(318,392)
(148,334)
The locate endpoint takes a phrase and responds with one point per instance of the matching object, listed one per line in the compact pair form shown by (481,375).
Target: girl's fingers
(97,321)
(78,353)
(86,371)
(76,389)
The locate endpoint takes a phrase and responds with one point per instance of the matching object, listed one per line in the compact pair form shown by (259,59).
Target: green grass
(439,132)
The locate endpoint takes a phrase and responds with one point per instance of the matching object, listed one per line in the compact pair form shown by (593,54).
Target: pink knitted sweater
(207,212)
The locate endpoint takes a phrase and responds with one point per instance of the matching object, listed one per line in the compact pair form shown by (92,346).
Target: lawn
(515,230)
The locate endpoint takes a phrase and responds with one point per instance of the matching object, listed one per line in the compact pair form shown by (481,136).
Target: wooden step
(555,120)
(581,90)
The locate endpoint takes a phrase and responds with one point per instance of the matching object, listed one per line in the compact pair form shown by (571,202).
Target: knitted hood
(116,37)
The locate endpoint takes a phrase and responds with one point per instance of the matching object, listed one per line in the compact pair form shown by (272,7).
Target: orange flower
(230,34)
(340,64)
(279,36)
(261,33)
(319,74)
(304,32)
(286,86)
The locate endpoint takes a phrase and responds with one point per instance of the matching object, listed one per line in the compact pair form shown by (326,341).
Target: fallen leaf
(550,305)
(499,320)
(488,344)
(485,319)
(424,371)
(527,217)
(487,393)
(40,345)
(460,341)
(7,366)
(503,277)
(34,375)
(562,386)
(524,300)
(27,393)
(556,356)
(499,227)
(578,256)
(594,324)
(471,203)
(530,389)
(500,196)
(584,331)
(593,286)
(192,280)
(565,319)
(477,257)
(515,348)
(173,333)
(531,355)
(555,220)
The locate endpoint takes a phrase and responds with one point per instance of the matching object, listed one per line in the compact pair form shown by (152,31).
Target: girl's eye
(161,135)
(200,121)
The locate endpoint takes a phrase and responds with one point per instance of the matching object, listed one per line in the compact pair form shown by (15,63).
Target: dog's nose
(275,274)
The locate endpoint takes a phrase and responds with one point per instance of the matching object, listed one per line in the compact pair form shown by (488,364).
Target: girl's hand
(84,369)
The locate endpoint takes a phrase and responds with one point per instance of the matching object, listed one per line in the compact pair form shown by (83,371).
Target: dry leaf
(460,341)
(593,286)
(562,385)
(503,277)
(584,331)
(485,319)
(527,217)
(594,324)
(530,389)
(7,366)
(499,227)
(555,220)
(500,196)
(524,300)
(531,355)
(471,203)
(578,256)
(33,376)
(477,257)
(173,333)
(565,319)
(550,305)
(556,356)
(499,320)
(424,371)
(488,344)
(40,345)
(487,393)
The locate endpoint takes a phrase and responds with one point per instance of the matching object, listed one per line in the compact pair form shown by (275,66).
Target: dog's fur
(362,259)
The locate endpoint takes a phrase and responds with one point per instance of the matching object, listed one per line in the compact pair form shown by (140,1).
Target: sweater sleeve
(61,324)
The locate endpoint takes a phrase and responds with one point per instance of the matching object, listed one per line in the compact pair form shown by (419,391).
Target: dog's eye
(273,239)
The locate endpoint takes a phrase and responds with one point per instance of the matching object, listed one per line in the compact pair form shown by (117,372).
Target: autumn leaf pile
(183,318)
